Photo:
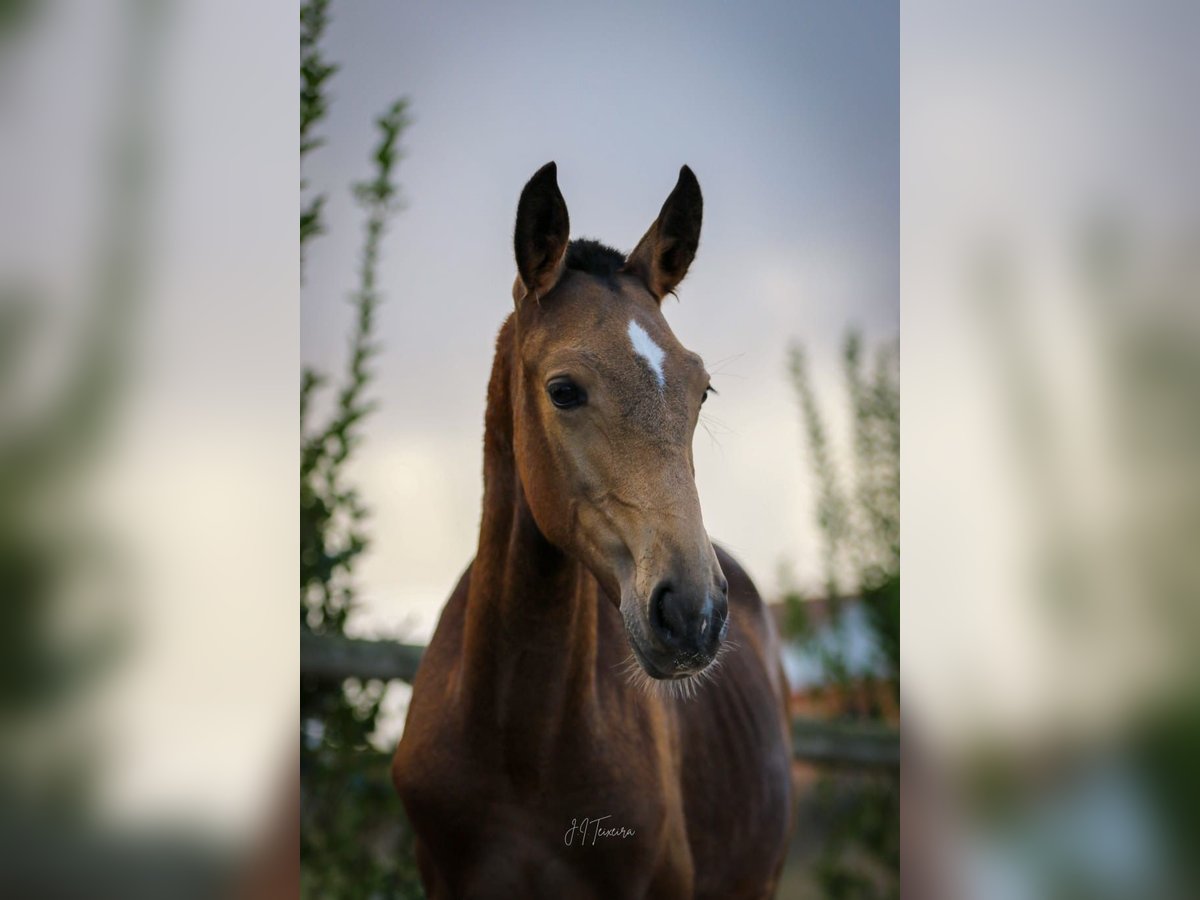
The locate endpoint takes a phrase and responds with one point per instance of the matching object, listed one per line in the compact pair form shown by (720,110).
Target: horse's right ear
(663,255)
(541,234)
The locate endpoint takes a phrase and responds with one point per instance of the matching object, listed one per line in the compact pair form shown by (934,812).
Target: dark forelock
(594,258)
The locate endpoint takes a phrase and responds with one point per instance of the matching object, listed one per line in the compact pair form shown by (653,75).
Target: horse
(601,712)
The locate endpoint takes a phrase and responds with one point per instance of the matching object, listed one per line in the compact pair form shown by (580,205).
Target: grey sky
(788,113)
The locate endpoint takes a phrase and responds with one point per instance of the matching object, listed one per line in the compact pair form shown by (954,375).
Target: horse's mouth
(681,671)
(650,668)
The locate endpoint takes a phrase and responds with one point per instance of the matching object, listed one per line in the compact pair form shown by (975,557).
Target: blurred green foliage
(858,516)
(354,842)
(64,577)
(859,524)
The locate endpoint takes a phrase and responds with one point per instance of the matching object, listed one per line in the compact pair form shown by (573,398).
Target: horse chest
(579,821)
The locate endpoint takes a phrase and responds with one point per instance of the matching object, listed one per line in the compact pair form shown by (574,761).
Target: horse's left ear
(662,257)
(541,234)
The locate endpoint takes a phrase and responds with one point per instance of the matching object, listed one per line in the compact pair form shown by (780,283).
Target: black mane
(594,258)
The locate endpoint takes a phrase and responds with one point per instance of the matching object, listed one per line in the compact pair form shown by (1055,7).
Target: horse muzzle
(680,631)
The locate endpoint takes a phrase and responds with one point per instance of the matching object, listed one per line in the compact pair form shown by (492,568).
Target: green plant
(860,524)
(353,839)
(860,531)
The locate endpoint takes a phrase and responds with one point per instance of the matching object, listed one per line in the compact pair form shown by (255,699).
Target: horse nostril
(658,613)
(720,620)
(684,625)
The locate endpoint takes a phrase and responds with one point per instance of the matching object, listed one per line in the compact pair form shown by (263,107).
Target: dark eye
(566,394)
(708,390)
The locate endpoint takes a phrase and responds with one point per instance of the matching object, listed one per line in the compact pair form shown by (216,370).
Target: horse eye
(566,394)
(708,390)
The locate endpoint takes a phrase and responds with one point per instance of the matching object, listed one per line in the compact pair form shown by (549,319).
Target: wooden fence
(846,744)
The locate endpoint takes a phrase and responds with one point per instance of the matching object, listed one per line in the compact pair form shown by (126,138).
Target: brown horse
(601,711)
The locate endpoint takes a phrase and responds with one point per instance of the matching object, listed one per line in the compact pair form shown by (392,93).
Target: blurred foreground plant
(859,525)
(62,574)
(860,528)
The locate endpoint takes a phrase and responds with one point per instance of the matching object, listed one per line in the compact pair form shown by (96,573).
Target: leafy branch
(352,840)
(314,73)
(332,513)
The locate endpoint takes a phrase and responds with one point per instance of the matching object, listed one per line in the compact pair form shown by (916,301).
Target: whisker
(712,421)
(675,689)
(712,437)
(624,663)
(719,366)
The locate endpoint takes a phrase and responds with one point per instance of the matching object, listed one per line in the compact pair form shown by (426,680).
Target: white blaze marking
(644,346)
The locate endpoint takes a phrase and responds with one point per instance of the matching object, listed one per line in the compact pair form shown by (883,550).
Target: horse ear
(541,234)
(662,257)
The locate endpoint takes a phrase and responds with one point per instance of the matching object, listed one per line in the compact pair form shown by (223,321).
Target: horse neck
(529,649)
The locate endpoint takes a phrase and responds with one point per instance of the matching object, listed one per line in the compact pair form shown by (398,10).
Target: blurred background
(1051,331)
(148,334)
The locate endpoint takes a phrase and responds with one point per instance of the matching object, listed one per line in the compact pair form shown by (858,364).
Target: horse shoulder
(737,754)
(421,764)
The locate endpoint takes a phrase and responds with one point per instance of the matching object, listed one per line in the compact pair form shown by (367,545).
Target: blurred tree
(859,525)
(353,840)
(860,531)
(62,575)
